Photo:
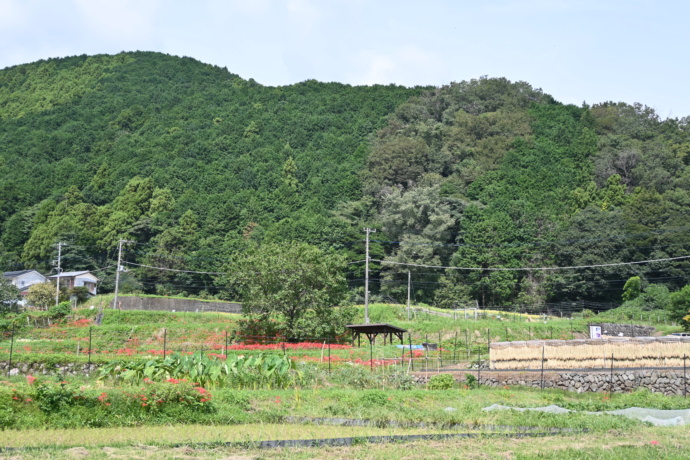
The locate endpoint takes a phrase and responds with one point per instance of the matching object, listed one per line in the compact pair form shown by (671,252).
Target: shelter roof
(376,328)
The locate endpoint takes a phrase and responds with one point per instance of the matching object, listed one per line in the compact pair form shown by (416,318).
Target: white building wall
(27,279)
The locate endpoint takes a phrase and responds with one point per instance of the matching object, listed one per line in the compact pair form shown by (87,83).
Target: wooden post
(371,355)
(488,346)
(440,353)
(611,379)
(467,344)
(409,336)
(402,358)
(479,369)
(9,366)
(542,368)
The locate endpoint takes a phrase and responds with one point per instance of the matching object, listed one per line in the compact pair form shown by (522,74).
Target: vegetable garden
(159,369)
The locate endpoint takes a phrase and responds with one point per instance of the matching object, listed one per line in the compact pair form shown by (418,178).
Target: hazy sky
(579,50)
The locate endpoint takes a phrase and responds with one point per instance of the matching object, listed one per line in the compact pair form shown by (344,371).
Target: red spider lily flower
(654,443)
(30,379)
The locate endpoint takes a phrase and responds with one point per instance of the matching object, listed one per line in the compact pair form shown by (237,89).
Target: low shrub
(65,405)
(441,382)
(471,382)
(374,398)
(60,310)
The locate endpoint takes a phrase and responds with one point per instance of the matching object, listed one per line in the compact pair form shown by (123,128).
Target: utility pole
(117,269)
(366,278)
(409,282)
(59,269)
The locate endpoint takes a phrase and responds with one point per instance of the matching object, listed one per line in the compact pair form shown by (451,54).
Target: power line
(531,268)
(175,270)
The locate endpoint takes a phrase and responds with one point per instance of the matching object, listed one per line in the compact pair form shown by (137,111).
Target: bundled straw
(591,353)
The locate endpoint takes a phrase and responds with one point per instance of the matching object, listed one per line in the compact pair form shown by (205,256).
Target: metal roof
(375,328)
(70,274)
(18,273)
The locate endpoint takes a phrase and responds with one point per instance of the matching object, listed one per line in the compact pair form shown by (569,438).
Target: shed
(373,330)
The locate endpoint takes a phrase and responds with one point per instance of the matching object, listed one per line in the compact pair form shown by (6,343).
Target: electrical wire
(175,270)
(531,268)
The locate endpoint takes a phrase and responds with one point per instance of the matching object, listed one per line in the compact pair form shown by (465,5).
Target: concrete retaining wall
(625,330)
(173,304)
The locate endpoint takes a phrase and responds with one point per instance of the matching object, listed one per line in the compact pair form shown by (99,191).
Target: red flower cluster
(204,393)
(287,346)
(103,398)
(84,322)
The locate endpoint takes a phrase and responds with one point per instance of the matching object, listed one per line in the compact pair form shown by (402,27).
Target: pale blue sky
(593,51)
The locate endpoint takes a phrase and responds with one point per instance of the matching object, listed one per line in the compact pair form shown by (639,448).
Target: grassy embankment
(142,334)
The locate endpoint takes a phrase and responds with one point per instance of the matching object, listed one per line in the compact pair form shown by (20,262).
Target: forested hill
(194,163)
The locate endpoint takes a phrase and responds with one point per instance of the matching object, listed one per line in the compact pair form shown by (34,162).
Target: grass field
(643,444)
(606,436)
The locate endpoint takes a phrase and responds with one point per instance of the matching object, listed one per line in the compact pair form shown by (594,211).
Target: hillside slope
(193,163)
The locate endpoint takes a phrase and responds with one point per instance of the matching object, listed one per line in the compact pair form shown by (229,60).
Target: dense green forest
(194,164)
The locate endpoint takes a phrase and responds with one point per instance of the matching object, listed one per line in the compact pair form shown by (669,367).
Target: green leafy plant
(244,371)
(60,310)
(374,398)
(471,382)
(441,382)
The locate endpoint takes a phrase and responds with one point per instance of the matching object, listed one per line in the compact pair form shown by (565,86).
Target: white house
(23,279)
(76,279)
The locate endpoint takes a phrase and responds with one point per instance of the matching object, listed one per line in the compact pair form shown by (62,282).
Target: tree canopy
(196,166)
(291,282)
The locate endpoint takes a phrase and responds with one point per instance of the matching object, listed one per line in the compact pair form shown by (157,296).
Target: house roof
(73,274)
(17,273)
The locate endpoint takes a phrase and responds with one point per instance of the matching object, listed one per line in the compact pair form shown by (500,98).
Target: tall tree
(286,281)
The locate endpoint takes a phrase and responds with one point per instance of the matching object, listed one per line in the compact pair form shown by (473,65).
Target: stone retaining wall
(668,382)
(173,304)
(47,369)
